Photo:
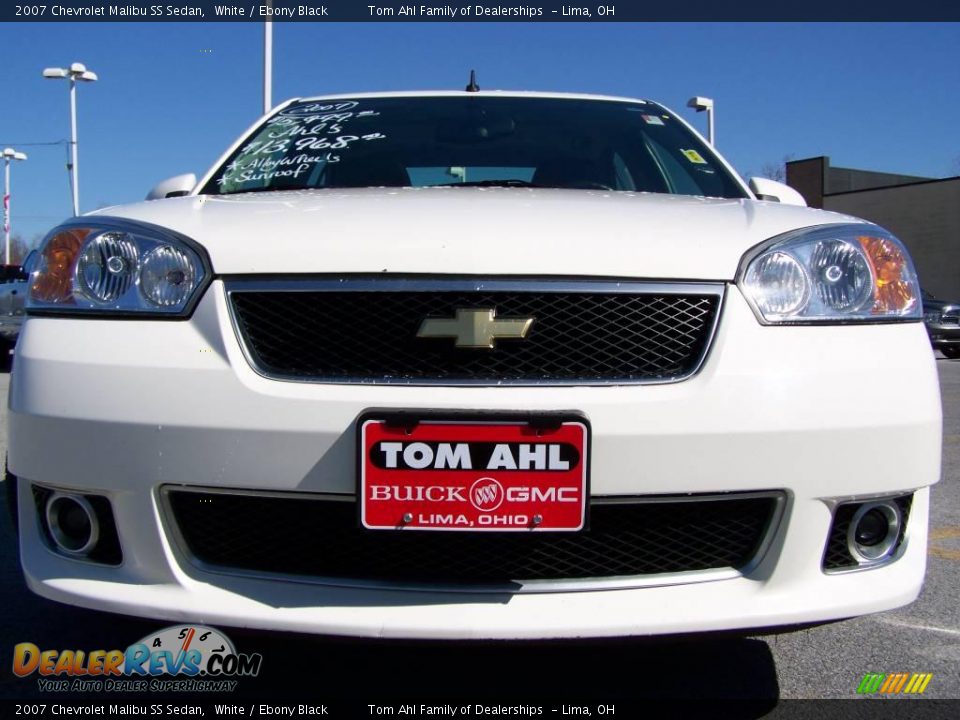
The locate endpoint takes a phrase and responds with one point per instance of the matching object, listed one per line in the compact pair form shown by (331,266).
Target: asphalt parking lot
(822,662)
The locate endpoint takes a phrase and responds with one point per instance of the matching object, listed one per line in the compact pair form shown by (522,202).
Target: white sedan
(474,365)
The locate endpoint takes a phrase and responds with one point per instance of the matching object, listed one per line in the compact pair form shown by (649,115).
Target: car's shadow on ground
(308,668)
(324,669)
(328,669)
(582,671)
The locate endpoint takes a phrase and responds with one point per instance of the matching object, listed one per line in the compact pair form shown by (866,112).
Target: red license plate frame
(473,473)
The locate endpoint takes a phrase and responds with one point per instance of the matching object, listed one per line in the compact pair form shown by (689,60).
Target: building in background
(923,212)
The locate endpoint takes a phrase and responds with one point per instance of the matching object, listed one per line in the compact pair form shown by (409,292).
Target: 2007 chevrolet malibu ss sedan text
(474,365)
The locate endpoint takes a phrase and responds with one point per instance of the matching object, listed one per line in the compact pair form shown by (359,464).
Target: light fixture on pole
(8,155)
(268,60)
(700,104)
(76,72)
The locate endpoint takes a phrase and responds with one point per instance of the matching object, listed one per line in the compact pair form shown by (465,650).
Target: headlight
(835,273)
(103,265)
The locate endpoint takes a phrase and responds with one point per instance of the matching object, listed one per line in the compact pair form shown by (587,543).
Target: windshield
(475,140)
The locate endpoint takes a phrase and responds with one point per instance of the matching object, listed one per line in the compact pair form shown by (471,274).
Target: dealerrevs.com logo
(185,658)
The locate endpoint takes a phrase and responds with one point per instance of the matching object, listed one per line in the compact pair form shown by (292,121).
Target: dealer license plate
(472,475)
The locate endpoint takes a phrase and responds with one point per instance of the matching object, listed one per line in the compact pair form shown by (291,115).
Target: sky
(172,96)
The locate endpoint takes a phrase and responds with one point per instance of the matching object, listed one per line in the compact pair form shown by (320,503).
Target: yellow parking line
(944,533)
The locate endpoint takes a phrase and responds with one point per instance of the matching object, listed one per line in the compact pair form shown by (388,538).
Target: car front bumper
(823,415)
(944,335)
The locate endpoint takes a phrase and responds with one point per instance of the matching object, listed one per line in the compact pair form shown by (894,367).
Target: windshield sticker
(693,156)
(298,141)
(652,120)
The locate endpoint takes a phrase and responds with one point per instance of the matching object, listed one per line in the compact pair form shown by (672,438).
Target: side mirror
(173,187)
(28,264)
(766,189)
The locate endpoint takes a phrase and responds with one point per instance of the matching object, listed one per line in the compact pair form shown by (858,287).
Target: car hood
(485,231)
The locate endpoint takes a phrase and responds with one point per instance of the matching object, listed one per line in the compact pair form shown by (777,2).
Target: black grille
(371,335)
(321,538)
(837,555)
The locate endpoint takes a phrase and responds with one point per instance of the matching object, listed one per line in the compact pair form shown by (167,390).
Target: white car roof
(462,93)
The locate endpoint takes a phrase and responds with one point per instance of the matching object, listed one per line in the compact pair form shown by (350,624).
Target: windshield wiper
(266,189)
(491,183)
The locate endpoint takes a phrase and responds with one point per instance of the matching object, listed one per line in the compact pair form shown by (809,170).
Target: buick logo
(486,494)
(475,328)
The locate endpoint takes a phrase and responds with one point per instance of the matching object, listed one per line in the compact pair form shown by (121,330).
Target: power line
(35,144)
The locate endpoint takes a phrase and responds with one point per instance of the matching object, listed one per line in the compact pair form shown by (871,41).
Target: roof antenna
(473,87)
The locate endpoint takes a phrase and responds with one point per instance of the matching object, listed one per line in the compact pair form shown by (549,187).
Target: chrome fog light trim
(875,519)
(73,524)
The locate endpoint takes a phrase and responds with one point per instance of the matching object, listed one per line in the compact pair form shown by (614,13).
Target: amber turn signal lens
(53,282)
(893,291)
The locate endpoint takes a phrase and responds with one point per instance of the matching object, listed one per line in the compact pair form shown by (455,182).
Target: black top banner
(473,11)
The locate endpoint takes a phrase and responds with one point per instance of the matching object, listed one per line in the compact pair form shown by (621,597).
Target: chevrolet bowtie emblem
(475,328)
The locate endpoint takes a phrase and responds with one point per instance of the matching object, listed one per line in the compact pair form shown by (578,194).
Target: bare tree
(776,170)
(18,249)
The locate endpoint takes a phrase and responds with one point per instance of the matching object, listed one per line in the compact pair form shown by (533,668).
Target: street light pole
(6,209)
(268,61)
(74,166)
(8,155)
(77,71)
(700,104)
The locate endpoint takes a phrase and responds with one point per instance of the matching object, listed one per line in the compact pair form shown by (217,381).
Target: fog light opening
(874,531)
(73,524)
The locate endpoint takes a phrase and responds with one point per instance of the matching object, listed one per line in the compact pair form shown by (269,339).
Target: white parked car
(474,365)
(13,285)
